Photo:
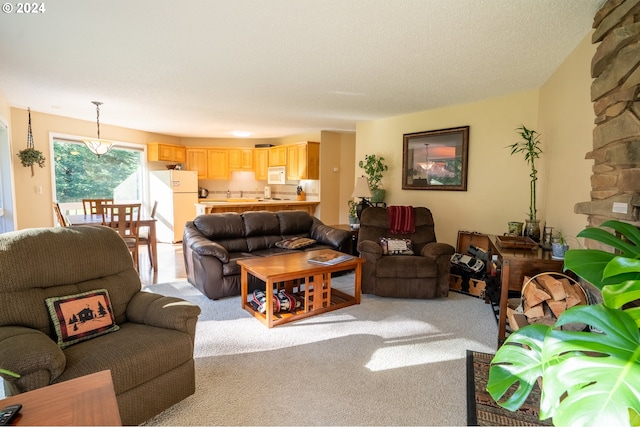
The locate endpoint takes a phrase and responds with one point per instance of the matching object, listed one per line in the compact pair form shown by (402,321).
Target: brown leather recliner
(422,275)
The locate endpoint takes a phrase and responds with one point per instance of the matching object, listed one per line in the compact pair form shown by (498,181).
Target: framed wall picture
(435,159)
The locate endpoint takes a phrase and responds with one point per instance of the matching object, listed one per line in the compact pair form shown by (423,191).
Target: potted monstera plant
(374,166)
(591,377)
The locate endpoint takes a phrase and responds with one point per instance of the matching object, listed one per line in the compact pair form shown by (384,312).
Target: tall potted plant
(529,146)
(374,166)
(589,378)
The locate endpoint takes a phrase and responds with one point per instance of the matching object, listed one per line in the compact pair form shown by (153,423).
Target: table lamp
(362,190)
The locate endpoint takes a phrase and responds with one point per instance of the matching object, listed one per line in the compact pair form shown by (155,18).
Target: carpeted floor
(481,408)
(387,361)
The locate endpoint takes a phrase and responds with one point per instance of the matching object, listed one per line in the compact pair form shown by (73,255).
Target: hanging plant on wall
(30,156)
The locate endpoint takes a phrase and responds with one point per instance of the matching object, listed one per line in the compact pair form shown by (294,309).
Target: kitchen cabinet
(241,159)
(303,161)
(157,151)
(261,163)
(278,155)
(217,163)
(197,161)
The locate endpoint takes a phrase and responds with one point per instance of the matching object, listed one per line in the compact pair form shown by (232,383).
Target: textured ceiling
(204,68)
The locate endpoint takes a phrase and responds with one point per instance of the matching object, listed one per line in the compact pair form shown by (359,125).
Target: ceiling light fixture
(98,146)
(241,133)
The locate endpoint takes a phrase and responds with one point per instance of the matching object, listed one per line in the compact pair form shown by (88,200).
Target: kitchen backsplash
(243,184)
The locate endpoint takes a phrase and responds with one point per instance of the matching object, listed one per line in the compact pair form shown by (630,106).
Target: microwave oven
(276,175)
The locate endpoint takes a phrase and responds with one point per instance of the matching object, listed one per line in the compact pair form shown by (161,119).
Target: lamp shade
(98,146)
(362,188)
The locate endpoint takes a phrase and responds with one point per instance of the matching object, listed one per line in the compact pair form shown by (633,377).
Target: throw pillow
(295,243)
(396,246)
(81,317)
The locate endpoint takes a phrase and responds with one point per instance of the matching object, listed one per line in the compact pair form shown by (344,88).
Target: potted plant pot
(377,195)
(558,250)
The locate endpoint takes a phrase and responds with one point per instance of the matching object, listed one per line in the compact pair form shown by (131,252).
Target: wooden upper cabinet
(197,161)
(261,163)
(157,151)
(241,159)
(303,161)
(217,163)
(278,155)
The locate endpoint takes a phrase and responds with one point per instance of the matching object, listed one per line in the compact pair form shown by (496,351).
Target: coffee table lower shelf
(339,300)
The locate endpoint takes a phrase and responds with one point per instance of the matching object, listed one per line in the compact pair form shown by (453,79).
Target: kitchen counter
(242,205)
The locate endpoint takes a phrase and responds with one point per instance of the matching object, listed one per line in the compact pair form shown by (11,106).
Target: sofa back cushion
(261,229)
(294,223)
(227,229)
(40,263)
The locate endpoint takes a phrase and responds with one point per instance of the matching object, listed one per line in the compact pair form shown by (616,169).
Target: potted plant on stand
(589,378)
(373,167)
(353,216)
(559,246)
(530,147)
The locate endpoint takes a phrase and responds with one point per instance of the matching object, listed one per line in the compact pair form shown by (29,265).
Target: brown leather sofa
(151,355)
(213,243)
(423,275)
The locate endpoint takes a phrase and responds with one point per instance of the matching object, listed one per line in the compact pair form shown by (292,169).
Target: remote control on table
(8,413)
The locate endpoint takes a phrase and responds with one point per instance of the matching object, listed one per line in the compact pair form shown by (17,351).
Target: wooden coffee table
(295,274)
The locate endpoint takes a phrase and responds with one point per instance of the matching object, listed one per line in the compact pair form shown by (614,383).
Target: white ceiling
(204,68)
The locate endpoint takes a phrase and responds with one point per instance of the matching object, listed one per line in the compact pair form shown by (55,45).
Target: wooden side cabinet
(261,163)
(241,159)
(513,266)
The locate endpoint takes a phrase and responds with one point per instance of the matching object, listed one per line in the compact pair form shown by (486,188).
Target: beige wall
(337,171)
(567,123)
(497,187)
(498,183)
(34,209)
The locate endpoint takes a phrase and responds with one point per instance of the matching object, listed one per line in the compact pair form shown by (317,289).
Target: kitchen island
(205,206)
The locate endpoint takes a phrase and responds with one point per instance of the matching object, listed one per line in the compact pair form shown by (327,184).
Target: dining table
(96,219)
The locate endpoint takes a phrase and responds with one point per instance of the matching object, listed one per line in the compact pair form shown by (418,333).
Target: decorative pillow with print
(282,301)
(295,243)
(392,246)
(81,317)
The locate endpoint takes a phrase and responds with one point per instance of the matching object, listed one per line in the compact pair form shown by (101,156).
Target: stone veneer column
(615,183)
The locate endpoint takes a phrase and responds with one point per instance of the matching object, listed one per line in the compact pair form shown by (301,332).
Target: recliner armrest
(32,354)
(163,312)
(369,248)
(435,249)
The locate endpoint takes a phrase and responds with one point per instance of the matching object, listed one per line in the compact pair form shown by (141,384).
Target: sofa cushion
(294,222)
(295,243)
(405,267)
(81,316)
(260,223)
(220,226)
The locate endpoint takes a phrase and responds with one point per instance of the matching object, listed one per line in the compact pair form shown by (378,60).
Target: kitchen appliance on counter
(267,192)
(177,194)
(203,193)
(276,175)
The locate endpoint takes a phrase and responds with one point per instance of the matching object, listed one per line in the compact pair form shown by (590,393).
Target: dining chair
(125,219)
(94,206)
(61,220)
(143,235)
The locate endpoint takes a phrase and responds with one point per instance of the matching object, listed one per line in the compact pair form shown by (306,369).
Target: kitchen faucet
(241,194)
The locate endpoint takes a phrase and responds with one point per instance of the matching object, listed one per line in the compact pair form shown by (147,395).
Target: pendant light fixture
(98,146)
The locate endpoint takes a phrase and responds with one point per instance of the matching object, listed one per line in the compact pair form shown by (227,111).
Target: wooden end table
(288,271)
(515,264)
(85,401)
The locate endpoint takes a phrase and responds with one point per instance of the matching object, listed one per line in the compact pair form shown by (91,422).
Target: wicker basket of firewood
(545,297)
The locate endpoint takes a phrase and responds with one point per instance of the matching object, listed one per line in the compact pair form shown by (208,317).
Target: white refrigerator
(177,194)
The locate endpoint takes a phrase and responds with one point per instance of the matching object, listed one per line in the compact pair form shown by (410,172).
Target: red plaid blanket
(401,219)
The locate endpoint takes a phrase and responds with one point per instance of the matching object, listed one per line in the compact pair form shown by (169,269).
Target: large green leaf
(598,371)
(517,362)
(603,236)
(588,264)
(630,232)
